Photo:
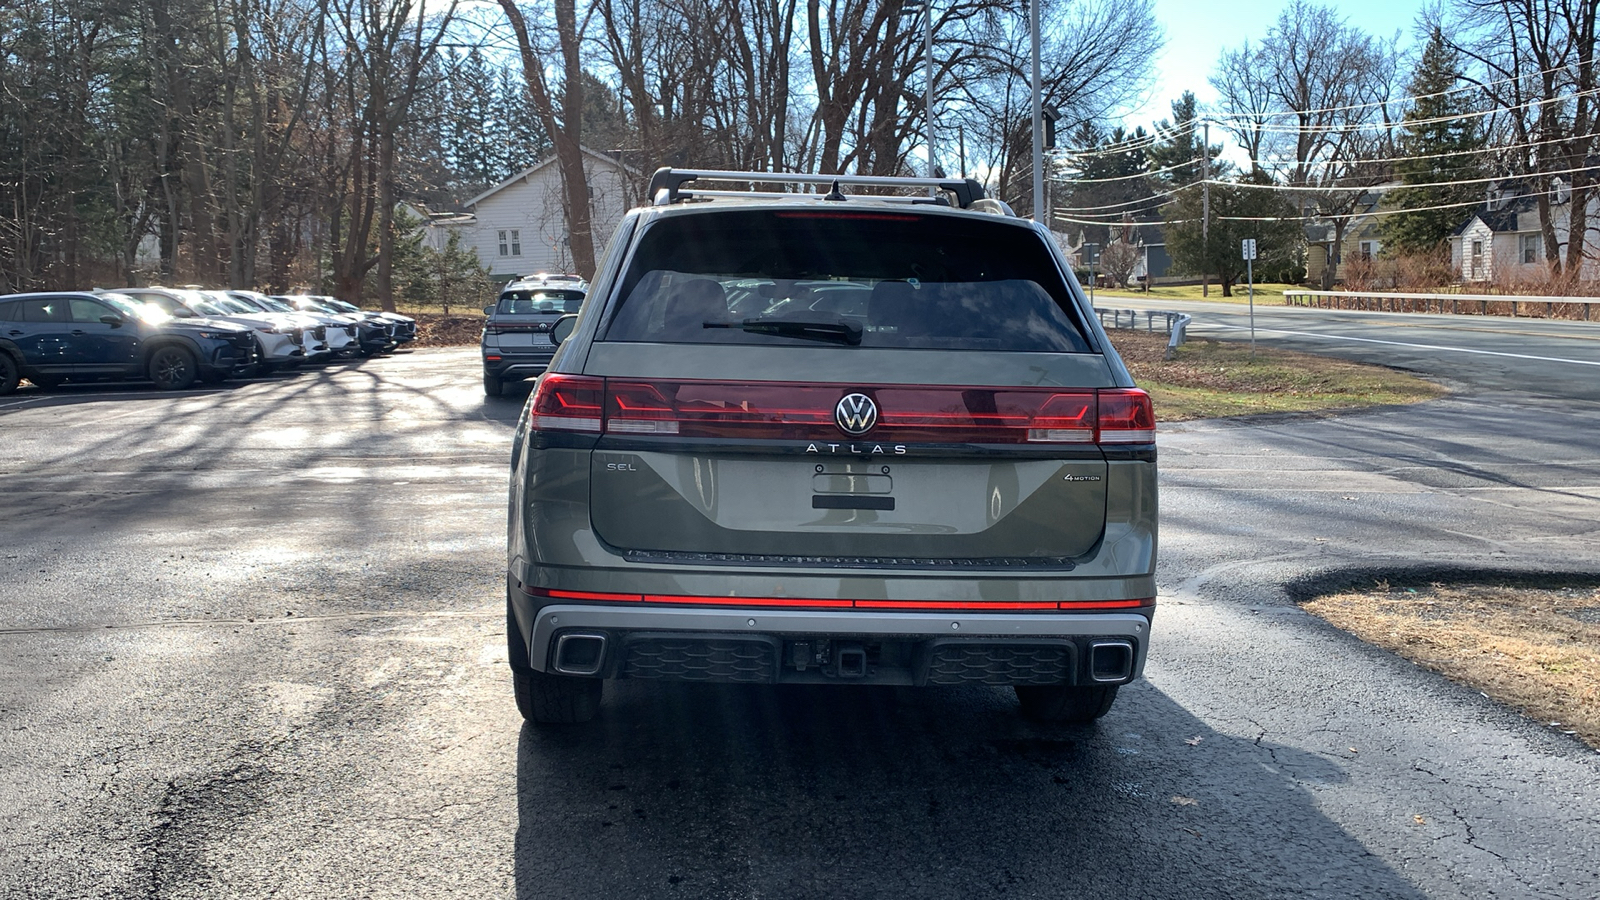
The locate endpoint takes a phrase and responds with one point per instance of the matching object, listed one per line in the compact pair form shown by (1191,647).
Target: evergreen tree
(472,149)
(1443,145)
(1105,180)
(1178,142)
(1237,212)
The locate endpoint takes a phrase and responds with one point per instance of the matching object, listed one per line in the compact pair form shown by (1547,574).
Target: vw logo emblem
(856,414)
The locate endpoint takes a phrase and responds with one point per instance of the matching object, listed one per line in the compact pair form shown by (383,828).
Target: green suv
(824,438)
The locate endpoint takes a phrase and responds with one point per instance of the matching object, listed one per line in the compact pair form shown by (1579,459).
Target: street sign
(1248,248)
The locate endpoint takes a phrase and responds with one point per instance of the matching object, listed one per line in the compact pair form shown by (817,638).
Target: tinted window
(8,312)
(535,302)
(51,310)
(86,310)
(909,281)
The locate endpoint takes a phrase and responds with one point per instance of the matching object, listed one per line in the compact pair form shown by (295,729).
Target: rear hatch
(871,388)
(522,318)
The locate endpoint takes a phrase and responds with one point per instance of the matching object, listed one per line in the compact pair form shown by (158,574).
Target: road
(251,644)
(1545,357)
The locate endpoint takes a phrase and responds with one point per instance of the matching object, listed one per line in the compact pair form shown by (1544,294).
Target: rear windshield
(536,302)
(898,280)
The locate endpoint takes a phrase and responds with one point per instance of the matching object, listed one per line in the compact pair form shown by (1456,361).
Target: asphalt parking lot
(251,644)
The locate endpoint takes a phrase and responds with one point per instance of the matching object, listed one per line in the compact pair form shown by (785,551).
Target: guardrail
(1391,302)
(1175,324)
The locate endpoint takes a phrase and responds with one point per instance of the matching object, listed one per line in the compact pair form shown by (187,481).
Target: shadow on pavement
(743,791)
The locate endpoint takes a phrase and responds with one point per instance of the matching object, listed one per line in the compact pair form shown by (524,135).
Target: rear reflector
(812,603)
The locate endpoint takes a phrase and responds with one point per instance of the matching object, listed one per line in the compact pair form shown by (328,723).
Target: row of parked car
(177,336)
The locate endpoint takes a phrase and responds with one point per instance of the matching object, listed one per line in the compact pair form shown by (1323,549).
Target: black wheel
(172,368)
(1075,704)
(10,373)
(546,699)
(492,385)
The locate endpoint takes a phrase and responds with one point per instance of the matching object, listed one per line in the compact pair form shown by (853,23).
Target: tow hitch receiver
(849,660)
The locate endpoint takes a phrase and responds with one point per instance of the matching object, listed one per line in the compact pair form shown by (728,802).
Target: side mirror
(113,321)
(488,310)
(182,312)
(563,329)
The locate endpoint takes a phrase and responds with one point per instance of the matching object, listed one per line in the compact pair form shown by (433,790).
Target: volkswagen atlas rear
(841,439)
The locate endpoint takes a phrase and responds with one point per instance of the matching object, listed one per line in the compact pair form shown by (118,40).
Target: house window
(1529,248)
(1477,259)
(510,242)
(1369,249)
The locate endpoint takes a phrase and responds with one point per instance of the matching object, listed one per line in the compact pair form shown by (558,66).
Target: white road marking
(1333,337)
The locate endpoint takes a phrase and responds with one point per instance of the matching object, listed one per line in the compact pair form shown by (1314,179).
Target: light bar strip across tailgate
(807,603)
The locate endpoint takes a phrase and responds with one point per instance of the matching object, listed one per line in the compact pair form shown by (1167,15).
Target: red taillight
(789,411)
(1126,417)
(568,403)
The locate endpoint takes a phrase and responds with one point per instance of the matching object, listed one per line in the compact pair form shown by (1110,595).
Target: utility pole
(927,48)
(1205,209)
(1038,115)
(961,131)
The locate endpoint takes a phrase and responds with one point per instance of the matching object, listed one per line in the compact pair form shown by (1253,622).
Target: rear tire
(10,373)
(172,368)
(492,386)
(1062,703)
(546,699)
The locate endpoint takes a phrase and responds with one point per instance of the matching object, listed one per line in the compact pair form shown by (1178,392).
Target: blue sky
(1198,32)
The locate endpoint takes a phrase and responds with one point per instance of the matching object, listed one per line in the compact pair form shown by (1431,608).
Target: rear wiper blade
(832,331)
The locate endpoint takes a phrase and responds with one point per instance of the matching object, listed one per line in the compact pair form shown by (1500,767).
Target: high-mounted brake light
(568,403)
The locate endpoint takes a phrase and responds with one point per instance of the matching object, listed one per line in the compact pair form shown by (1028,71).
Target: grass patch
(1268,293)
(1221,378)
(1534,649)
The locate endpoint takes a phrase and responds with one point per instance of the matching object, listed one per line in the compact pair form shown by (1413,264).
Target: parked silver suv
(827,438)
(516,341)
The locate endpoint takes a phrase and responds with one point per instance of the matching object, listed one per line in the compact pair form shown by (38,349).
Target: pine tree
(1439,143)
(1237,212)
(1178,142)
(1104,181)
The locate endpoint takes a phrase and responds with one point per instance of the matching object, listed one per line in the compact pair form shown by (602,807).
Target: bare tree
(562,115)
(1310,104)
(1535,60)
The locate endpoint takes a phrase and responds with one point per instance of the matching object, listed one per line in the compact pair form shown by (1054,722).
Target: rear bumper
(765,645)
(517,366)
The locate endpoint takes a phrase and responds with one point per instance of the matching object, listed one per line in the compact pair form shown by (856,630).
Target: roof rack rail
(671,181)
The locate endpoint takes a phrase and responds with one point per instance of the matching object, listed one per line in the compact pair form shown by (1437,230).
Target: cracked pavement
(252,645)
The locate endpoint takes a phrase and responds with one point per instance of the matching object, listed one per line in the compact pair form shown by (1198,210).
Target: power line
(1149,174)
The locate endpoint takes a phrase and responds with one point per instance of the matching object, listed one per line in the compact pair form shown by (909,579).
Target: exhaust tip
(580,653)
(1110,662)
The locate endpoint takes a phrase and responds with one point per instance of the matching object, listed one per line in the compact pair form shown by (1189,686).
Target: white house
(1502,242)
(518,228)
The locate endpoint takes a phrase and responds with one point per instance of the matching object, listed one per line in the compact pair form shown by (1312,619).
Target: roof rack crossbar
(805,195)
(966,190)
